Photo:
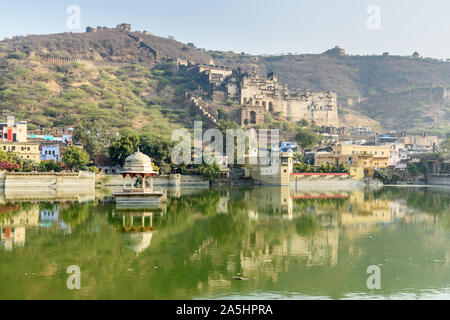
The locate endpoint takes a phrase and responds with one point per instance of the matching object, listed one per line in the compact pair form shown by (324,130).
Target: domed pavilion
(139,168)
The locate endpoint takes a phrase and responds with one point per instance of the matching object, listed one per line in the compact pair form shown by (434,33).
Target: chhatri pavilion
(138,169)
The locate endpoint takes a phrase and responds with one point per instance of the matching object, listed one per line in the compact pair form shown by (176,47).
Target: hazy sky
(255,26)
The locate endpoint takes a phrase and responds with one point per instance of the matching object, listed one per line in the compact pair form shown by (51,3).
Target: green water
(284,244)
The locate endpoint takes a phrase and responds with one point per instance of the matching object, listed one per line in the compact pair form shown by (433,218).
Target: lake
(231,243)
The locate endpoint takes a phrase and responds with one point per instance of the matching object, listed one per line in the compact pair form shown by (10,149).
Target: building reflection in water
(314,223)
(21,217)
(137,225)
(265,234)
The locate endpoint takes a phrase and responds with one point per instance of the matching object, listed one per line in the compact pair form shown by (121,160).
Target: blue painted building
(50,152)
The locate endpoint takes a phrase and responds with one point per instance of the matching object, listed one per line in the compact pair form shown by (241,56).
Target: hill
(389,91)
(132,96)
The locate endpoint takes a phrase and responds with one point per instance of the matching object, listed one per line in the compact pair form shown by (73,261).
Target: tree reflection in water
(292,244)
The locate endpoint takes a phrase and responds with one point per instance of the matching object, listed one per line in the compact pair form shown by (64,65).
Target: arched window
(245,100)
(270,107)
(264,105)
(250,101)
(252,117)
(256,103)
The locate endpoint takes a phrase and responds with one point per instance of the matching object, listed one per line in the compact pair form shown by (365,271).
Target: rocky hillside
(394,92)
(132,96)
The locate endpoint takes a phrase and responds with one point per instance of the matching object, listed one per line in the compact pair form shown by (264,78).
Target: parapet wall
(443,180)
(164,180)
(325,181)
(82,180)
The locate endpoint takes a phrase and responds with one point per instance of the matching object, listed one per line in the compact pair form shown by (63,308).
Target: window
(253,117)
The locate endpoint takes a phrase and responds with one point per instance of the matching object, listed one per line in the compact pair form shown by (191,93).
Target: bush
(386,176)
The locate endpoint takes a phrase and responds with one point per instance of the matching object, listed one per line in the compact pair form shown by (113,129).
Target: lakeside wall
(439,179)
(164,180)
(82,180)
(325,181)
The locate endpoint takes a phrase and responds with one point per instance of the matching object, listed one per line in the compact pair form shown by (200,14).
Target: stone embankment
(83,180)
(326,181)
(439,179)
(163,180)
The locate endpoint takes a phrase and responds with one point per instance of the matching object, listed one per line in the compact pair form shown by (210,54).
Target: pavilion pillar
(124,182)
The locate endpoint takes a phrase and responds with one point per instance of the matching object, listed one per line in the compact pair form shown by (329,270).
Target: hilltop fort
(260,94)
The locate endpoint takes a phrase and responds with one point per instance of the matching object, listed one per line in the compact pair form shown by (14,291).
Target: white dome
(138,163)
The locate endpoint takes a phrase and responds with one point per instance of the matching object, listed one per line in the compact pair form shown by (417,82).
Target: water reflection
(287,244)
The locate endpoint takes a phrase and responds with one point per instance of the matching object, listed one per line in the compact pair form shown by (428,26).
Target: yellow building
(355,156)
(23,150)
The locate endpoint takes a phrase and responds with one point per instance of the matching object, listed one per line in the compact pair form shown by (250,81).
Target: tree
(94,136)
(158,148)
(306,138)
(27,165)
(123,148)
(75,158)
(303,123)
(49,165)
(7,157)
(413,169)
(210,171)
(298,157)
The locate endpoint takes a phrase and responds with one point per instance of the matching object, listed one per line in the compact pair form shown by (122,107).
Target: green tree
(7,156)
(50,165)
(413,169)
(95,136)
(27,165)
(306,138)
(158,148)
(124,147)
(303,123)
(210,171)
(75,158)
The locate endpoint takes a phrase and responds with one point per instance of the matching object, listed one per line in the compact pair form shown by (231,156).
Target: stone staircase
(196,103)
